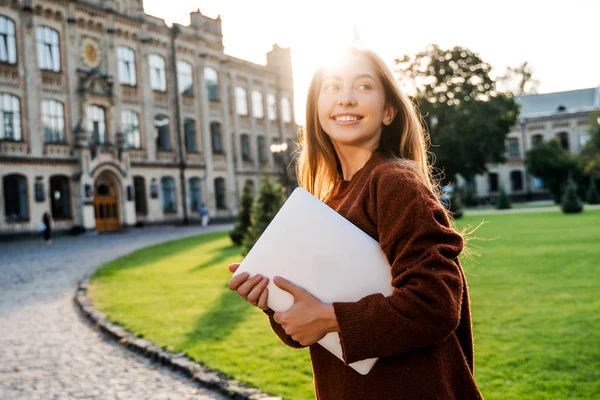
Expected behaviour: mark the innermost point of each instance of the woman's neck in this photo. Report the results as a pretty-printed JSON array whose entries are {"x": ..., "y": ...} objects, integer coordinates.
[{"x": 352, "y": 159}]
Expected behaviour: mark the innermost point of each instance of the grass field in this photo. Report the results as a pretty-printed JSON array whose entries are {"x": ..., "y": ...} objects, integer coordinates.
[{"x": 534, "y": 295}]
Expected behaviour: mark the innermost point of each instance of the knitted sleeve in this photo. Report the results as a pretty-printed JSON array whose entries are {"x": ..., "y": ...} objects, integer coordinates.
[
  {"x": 422, "y": 249},
  {"x": 279, "y": 331}
]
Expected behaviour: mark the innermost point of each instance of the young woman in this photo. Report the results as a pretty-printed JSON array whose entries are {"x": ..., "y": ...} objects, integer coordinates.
[{"x": 364, "y": 153}]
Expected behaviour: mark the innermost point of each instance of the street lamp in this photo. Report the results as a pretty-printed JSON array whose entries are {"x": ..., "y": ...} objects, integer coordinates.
[{"x": 278, "y": 150}]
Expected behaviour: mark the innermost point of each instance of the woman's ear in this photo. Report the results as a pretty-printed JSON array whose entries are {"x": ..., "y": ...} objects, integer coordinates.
[{"x": 389, "y": 113}]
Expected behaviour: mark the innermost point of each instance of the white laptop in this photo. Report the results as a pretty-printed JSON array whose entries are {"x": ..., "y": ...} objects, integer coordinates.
[{"x": 314, "y": 247}]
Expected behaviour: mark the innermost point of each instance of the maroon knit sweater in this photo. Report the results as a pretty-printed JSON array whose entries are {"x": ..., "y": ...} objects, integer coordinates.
[{"x": 422, "y": 332}]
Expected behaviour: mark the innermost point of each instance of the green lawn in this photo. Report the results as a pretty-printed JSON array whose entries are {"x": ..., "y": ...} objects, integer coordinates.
[{"x": 534, "y": 295}]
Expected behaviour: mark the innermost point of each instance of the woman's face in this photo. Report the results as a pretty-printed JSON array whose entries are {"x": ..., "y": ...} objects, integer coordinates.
[{"x": 351, "y": 105}]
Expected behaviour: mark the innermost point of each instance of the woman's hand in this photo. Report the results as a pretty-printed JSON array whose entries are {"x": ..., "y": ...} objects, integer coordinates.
[
  {"x": 309, "y": 319},
  {"x": 253, "y": 290}
]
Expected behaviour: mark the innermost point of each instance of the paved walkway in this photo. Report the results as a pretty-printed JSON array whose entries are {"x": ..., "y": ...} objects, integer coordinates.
[{"x": 48, "y": 350}]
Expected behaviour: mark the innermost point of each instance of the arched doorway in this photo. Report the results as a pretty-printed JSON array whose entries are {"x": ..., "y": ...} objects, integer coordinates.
[{"x": 106, "y": 203}]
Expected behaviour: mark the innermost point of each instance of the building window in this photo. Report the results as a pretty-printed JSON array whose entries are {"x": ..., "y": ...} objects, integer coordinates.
[
  {"x": 126, "y": 65},
  {"x": 48, "y": 49},
  {"x": 189, "y": 128},
  {"x": 215, "y": 135},
  {"x": 516, "y": 181},
  {"x": 8, "y": 44},
  {"x": 536, "y": 140},
  {"x": 220, "y": 194},
  {"x": 158, "y": 80},
  {"x": 161, "y": 125},
  {"x": 131, "y": 129},
  {"x": 139, "y": 188},
  {"x": 10, "y": 115},
  {"x": 513, "y": 147},
  {"x": 262, "y": 149},
  {"x": 96, "y": 124},
  {"x": 272, "y": 106},
  {"x": 15, "y": 198},
  {"x": 212, "y": 83},
  {"x": 563, "y": 139},
  {"x": 195, "y": 195},
  {"x": 241, "y": 101},
  {"x": 257, "y": 104},
  {"x": 184, "y": 78},
  {"x": 245, "y": 146},
  {"x": 60, "y": 197},
  {"x": 286, "y": 111},
  {"x": 493, "y": 181},
  {"x": 167, "y": 186},
  {"x": 53, "y": 118}
]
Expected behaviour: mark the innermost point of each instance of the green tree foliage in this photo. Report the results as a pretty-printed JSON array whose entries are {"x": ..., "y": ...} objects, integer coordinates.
[
  {"x": 243, "y": 217},
  {"x": 267, "y": 204},
  {"x": 467, "y": 119},
  {"x": 570, "y": 202},
  {"x": 549, "y": 161},
  {"x": 503, "y": 200},
  {"x": 592, "y": 196},
  {"x": 591, "y": 152}
]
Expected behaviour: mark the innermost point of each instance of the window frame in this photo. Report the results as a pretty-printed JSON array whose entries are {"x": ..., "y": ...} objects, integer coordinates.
[
  {"x": 21, "y": 201},
  {"x": 127, "y": 65},
  {"x": 212, "y": 83},
  {"x": 127, "y": 117},
  {"x": 286, "y": 110},
  {"x": 190, "y": 139},
  {"x": 258, "y": 110},
  {"x": 272, "y": 106},
  {"x": 141, "y": 203},
  {"x": 188, "y": 75},
  {"x": 215, "y": 132},
  {"x": 48, "y": 48},
  {"x": 161, "y": 131},
  {"x": 195, "y": 190},
  {"x": 50, "y": 121},
  {"x": 241, "y": 101},
  {"x": 8, "y": 40},
  {"x": 156, "y": 63},
  {"x": 220, "y": 193},
  {"x": 92, "y": 115},
  {"x": 10, "y": 105},
  {"x": 64, "y": 204},
  {"x": 171, "y": 187}
]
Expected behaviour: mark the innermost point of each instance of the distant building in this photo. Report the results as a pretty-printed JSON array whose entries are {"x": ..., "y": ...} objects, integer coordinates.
[
  {"x": 109, "y": 118},
  {"x": 562, "y": 115}
]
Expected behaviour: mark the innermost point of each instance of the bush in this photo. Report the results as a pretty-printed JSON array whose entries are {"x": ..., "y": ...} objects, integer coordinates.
[
  {"x": 243, "y": 218},
  {"x": 456, "y": 207},
  {"x": 571, "y": 203},
  {"x": 503, "y": 200},
  {"x": 592, "y": 196},
  {"x": 267, "y": 204}
]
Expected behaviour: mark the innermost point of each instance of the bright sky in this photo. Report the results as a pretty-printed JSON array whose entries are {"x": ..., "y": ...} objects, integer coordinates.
[{"x": 559, "y": 39}]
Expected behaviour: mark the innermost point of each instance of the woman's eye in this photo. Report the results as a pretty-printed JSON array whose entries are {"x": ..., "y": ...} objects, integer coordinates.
[
  {"x": 364, "y": 86},
  {"x": 330, "y": 86}
]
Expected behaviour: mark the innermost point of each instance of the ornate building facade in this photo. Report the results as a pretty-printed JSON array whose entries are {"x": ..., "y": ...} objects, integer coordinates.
[
  {"x": 110, "y": 118},
  {"x": 563, "y": 116}
]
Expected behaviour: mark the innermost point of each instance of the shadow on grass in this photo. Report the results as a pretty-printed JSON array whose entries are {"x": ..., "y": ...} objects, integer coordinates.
[
  {"x": 155, "y": 253},
  {"x": 220, "y": 321},
  {"x": 220, "y": 255}
]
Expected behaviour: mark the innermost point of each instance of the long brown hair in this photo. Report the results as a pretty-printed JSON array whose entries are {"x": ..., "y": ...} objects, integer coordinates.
[{"x": 404, "y": 140}]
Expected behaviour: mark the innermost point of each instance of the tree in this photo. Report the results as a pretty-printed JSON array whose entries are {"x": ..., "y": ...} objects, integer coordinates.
[
  {"x": 519, "y": 80},
  {"x": 243, "y": 217},
  {"x": 570, "y": 202},
  {"x": 503, "y": 200},
  {"x": 467, "y": 119},
  {"x": 549, "y": 161},
  {"x": 592, "y": 196},
  {"x": 267, "y": 204},
  {"x": 590, "y": 155}
]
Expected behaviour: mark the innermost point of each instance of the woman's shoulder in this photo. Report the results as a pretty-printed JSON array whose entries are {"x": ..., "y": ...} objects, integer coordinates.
[{"x": 390, "y": 171}]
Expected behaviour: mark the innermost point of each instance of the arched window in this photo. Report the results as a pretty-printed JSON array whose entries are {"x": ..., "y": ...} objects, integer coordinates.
[
  {"x": 493, "y": 181},
  {"x": 158, "y": 80},
  {"x": 215, "y": 135},
  {"x": 131, "y": 129},
  {"x": 195, "y": 194},
  {"x": 161, "y": 125},
  {"x": 513, "y": 147},
  {"x": 10, "y": 117},
  {"x": 167, "y": 185},
  {"x": 126, "y": 65},
  {"x": 185, "y": 78},
  {"x": 220, "y": 193},
  {"x": 257, "y": 104},
  {"x": 15, "y": 198},
  {"x": 53, "y": 118},
  {"x": 516, "y": 181},
  {"x": 139, "y": 187},
  {"x": 286, "y": 111},
  {"x": 272, "y": 106},
  {"x": 48, "y": 49},
  {"x": 245, "y": 146},
  {"x": 241, "y": 101},
  {"x": 96, "y": 125},
  {"x": 8, "y": 44},
  {"x": 189, "y": 129},
  {"x": 211, "y": 77},
  {"x": 563, "y": 139},
  {"x": 60, "y": 197}
]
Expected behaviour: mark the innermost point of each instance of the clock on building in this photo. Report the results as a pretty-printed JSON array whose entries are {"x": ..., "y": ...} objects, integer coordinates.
[{"x": 90, "y": 53}]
